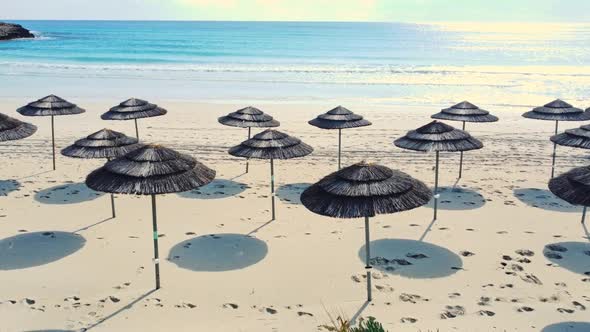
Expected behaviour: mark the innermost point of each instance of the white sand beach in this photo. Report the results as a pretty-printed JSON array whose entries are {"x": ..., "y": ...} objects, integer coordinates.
[{"x": 504, "y": 255}]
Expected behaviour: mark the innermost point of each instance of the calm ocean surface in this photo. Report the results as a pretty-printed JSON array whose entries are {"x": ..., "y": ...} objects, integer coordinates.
[{"x": 381, "y": 63}]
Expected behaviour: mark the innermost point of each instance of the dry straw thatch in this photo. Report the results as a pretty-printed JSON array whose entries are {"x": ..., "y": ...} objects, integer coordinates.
[
  {"x": 573, "y": 187},
  {"x": 104, "y": 143},
  {"x": 133, "y": 108},
  {"x": 249, "y": 117},
  {"x": 339, "y": 118},
  {"x": 365, "y": 190},
  {"x": 13, "y": 129},
  {"x": 557, "y": 110},
  {"x": 466, "y": 112},
  {"x": 150, "y": 170},
  {"x": 271, "y": 144},
  {"x": 577, "y": 138},
  {"x": 438, "y": 136},
  {"x": 50, "y": 106}
]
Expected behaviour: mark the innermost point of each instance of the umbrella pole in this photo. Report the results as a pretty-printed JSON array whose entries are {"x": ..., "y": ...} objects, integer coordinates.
[
  {"x": 136, "y": 130},
  {"x": 554, "y": 151},
  {"x": 461, "y": 158},
  {"x": 156, "y": 256},
  {"x": 436, "y": 186},
  {"x": 368, "y": 266},
  {"x": 53, "y": 141},
  {"x": 112, "y": 200},
  {"x": 247, "y": 160},
  {"x": 584, "y": 215},
  {"x": 272, "y": 187},
  {"x": 339, "y": 146}
]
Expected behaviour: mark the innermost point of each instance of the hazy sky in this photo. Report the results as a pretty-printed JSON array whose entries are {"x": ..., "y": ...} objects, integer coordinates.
[{"x": 302, "y": 10}]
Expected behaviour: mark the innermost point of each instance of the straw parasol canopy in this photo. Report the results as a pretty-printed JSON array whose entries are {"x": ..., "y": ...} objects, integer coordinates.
[
  {"x": 464, "y": 112},
  {"x": 133, "y": 109},
  {"x": 577, "y": 138},
  {"x": 271, "y": 144},
  {"x": 339, "y": 118},
  {"x": 573, "y": 187},
  {"x": 365, "y": 190},
  {"x": 51, "y": 105},
  {"x": 151, "y": 170},
  {"x": 12, "y": 129},
  {"x": 104, "y": 143},
  {"x": 557, "y": 110},
  {"x": 249, "y": 117},
  {"x": 436, "y": 137}
]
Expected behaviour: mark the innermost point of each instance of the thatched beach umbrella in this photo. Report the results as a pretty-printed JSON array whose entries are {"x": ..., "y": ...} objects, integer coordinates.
[
  {"x": 151, "y": 170},
  {"x": 12, "y": 129},
  {"x": 133, "y": 109},
  {"x": 573, "y": 187},
  {"x": 50, "y": 106},
  {"x": 271, "y": 144},
  {"x": 339, "y": 118},
  {"x": 437, "y": 136},
  {"x": 557, "y": 110},
  {"x": 104, "y": 143},
  {"x": 362, "y": 191},
  {"x": 249, "y": 117},
  {"x": 464, "y": 112}
]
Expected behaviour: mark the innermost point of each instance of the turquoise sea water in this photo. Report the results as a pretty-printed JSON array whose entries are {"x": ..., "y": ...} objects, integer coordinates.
[{"x": 388, "y": 63}]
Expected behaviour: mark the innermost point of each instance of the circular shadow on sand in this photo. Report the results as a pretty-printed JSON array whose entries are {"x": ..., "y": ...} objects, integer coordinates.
[
  {"x": 544, "y": 199},
  {"x": 70, "y": 193},
  {"x": 412, "y": 259},
  {"x": 291, "y": 193},
  {"x": 457, "y": 198},
  {"x": 218, "y": 252},
  {"x": 8, "y": 186},
  {"x": 39, "y": 248},
  {"x": 567, "y": 327},
  {"x": 573, "y": 256},
  {"x": 216, "y": 189}
]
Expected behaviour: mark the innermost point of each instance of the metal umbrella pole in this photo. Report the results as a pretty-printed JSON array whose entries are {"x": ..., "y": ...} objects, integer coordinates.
[
  {"x": 53, "y": 141},
  {"x": 436, "y": 186},
  {"x": 461, "y": 158},
  {"x": 339, "y": 146},
  {"x": 248, "y": 160},
  {"x": 112, "y": 200},
  {"x": 584, "y": 215},
  {"x": 554, "y": 151},
  {"x": 136, "y": 130},
  {"x": 368, "y": 266},
  {"x": 156, "y": 255},
  {"x": 272, "y": 187}
]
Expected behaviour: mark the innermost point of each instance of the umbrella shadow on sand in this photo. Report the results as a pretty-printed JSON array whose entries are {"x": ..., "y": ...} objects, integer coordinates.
[
  {"x": 572, "y": 256},
  {"x": 412, "y": 259},
  {"x": 8, "y": 186},
  {"x": 544, "y": 199},
  {"x": 218, "y": 252},
  {"x": 458, "y": 198},
  {"x": 291, "y": 193},
  {"x": 216, "y": 189},
  {"x": 567, "y": 327},
  {"x": 39, "y": 248},
  {"x": 69, "y": 193}
]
